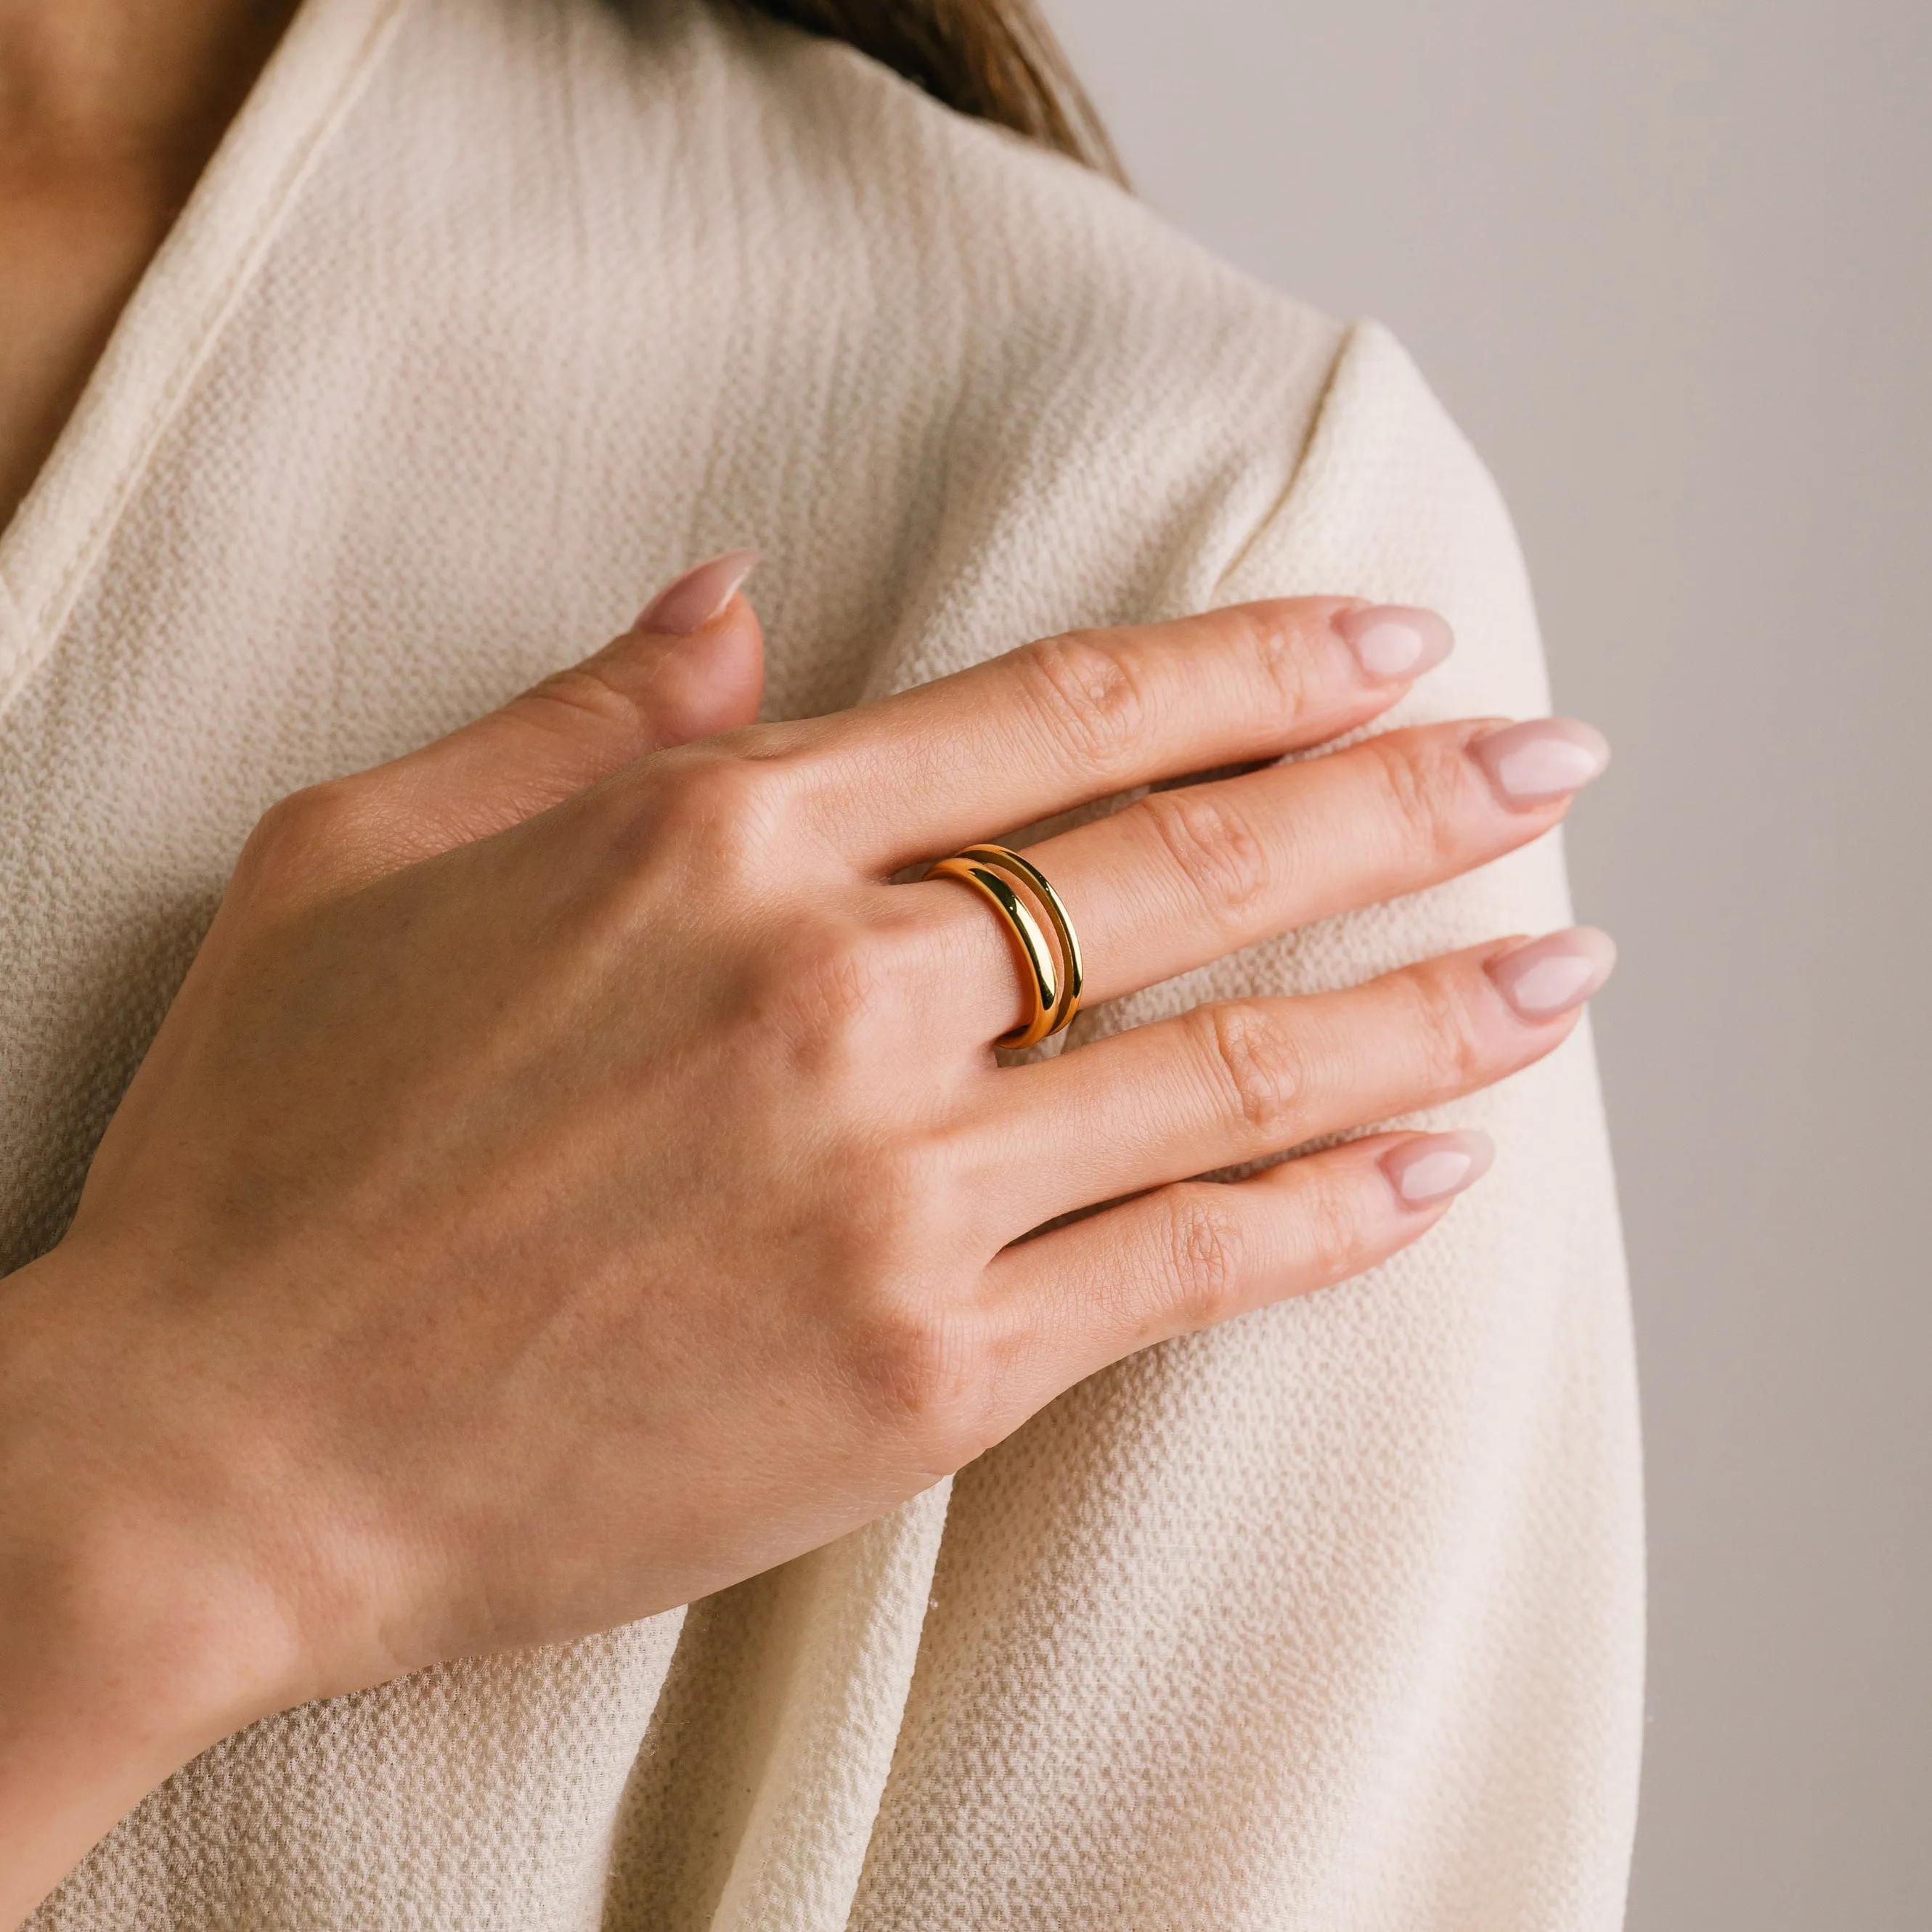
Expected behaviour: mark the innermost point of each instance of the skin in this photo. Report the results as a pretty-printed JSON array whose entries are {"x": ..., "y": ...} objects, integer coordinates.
[
  {"x": 573, "y": 1177},
  {"x": 109, "y": 111}
]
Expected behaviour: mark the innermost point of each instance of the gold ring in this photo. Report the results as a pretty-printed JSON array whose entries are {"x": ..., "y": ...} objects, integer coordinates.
[{"x": 1054, "y": 989}]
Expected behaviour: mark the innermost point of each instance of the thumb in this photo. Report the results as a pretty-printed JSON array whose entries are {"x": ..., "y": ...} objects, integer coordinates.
[{"x": 692, "y": 665}]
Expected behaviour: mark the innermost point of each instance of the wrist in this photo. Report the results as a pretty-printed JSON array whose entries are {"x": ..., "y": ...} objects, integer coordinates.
[{"x": 129, "y": 1640}]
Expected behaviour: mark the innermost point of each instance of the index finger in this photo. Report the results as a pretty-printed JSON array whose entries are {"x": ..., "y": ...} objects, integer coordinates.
[{"x": 1068, "y": 719}]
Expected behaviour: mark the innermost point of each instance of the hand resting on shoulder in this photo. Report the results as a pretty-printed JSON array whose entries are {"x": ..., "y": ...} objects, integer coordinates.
[{"x": 575, "y": 1176}]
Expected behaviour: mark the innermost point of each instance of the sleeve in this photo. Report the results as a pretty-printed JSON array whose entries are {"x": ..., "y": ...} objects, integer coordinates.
[{"x": 1331, "y": 1617}]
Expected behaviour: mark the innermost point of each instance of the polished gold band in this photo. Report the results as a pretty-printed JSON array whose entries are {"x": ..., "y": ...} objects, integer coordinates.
[{"x": 1054, "y": 987}]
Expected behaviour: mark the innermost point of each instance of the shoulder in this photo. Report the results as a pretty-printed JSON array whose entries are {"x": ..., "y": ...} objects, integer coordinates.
[
  {"x": 935, "y": 355},
  {"x": 1042, "y": 323},
  {"x": 1009, "y": 260},
  {"x": 1049, "y": 295}
]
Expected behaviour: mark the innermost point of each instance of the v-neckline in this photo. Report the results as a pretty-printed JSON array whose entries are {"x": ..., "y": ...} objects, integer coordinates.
[{"x": 171, "y": 320}]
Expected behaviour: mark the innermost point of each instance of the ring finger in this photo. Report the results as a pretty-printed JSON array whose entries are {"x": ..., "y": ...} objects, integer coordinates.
[{"x": 1238, "y": 1080}]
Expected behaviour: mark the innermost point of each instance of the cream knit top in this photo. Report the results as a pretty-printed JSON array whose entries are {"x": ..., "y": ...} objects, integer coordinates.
[{"x": 489, "y": 316}]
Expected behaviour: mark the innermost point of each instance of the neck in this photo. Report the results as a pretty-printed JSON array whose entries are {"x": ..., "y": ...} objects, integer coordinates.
[
  {"x": 144, "y": 84},
  {"x": 108, "y": 112}
]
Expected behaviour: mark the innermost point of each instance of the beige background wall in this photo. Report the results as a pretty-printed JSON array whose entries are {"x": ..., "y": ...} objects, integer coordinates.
[{"x": 1671, "y": 266}]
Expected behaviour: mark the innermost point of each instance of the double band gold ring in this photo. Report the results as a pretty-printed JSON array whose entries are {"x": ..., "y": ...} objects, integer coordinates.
[{"x": 1006, "y": 880}]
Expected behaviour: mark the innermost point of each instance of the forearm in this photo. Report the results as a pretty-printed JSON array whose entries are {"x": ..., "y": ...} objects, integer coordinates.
[{"x": 79, "y": 1748}]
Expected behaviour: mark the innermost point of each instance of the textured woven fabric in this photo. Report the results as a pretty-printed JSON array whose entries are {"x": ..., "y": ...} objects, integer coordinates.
[{"x": 489, "y": 316}]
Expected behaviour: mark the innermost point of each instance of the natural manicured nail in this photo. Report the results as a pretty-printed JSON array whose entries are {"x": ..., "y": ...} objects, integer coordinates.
[
  {"x": 690, "y": 602},
  {"x": 1541, "y": 759},
  {"x": 1392, "y": 641},
  {"x": 1432, "y": 1167},
  {"x": 1543, "y": 977}
]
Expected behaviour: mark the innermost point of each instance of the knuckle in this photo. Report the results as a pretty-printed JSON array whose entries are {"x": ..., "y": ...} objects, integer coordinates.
[
  {"x": 1251, "y": 1059},
  {"x": 1422, "y": 780},
  {"x": 1214, "y": 850},
  {"x": 1200, "y": 1244},
  {"x": 719, "y": 814},
  {"x": 719, "y": 789},
  {"x": 917, "y": 1352},
  {"x": 299, "y": 833},
  {"x": 1278, "y": 651},
  {"x": 1334, "y": 1232},
  {"x": 923, "y": 1376},
  {"x": 1448, "y": 1055},
  {"x": 785, "y": 750},
  {"x": 822, "y": 985},
  {"x": 586, "y": 691},
  {"x": 1082, "y": 687}
]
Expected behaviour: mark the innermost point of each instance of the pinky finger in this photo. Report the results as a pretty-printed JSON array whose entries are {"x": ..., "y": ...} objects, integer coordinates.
[{"x": 1187, "y": 1256}]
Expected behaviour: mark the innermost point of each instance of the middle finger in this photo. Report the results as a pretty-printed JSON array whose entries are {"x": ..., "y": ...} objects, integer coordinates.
[{"x": 1181, "y": 877}]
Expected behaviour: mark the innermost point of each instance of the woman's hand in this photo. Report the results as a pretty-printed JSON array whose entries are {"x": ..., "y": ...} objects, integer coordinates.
[{"x": 571, "y": 1181}]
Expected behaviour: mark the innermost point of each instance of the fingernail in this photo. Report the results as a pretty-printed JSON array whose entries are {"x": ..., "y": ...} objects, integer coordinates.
[
  {"x": 1541, "y": 759},
  {"x": 1543, "y": 977},
  {"x": 1394, "y": 641},
  {"x": 690, "y": 602},
  {"x": 1432, "y": 1167}
]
